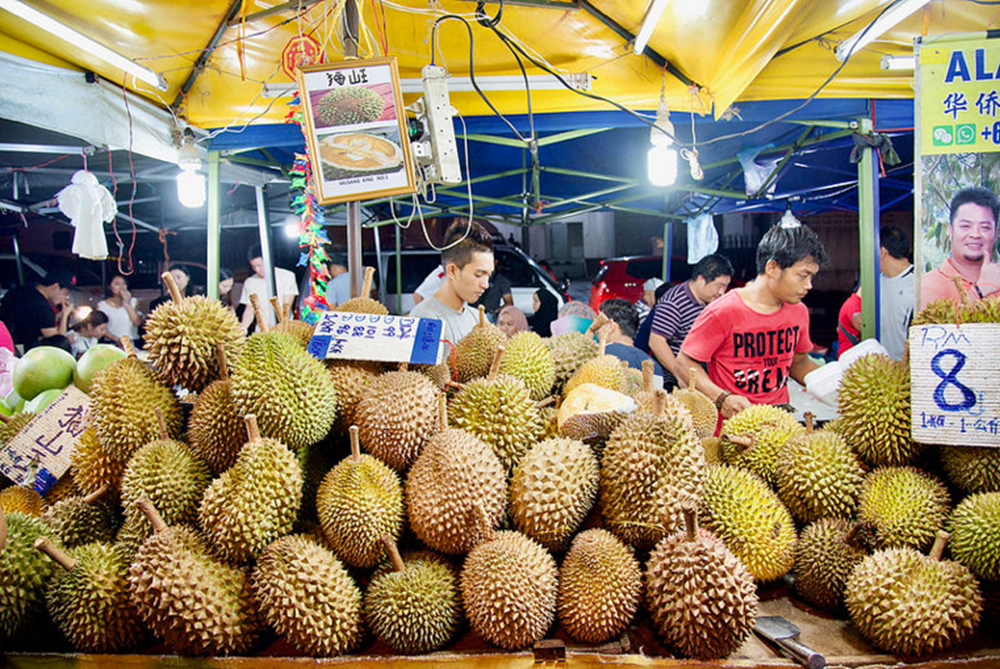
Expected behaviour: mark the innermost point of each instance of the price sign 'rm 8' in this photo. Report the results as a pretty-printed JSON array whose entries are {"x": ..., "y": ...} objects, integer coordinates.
[{"x": 955, "y": 378}]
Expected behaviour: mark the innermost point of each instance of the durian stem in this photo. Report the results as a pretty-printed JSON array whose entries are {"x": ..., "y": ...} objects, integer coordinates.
[
  {"x": 809, "y": 416},
  {"x": 599, "y": 322},
  {"x": 253, "y": 430},
  {"x": 5, "y": 418},
  {"x": 647, "y": 375},
  {"x": 286, "y": 311},
  {"x": 3, "y": 530},
  {"x": 394, "y": 556},
  {"x": 148, "y": 510},
  {"x": 738, "y": 440},
  {"x": 220, "y": 353},
  {"x": 175, "y": 292},
  {"x": 602, "y": 341},
  {"x": 851, "y": 538},
  {"x": 45, "y": 545},
  {"x": 495, "y": 367},
  {"x": 161, "y": 423},
  {"x": 906, "y": 354},
  {"x": 403, "y": 366},
  {"x": 127, "y": 347},
  {"x": 482, "y": 316},
  {"x": 97, "y": 494},
  {"x": 659, "y": 401},
  {"x": 255, "y": 303},
  {"x": 366, "y": 287},
  {"x": 960, "y": 285},
  {"x": 355, "y": 435},
  {"x": 481, "y": 524},
  {"x": 279, "y": 313},
  {"x": 443, "y": 410},
  {"x": 690, "y": 511},
  {"x": 693, "y": 378},
  {"x": 940, "y": 541},
  {"x": 454, "y": 385},
  {"x": 541, "y": 404}
]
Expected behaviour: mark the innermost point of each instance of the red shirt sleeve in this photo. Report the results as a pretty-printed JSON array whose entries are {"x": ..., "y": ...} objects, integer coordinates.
[
  {"x": 805, "y": 343},
  {"x": 706, "y": 336}
]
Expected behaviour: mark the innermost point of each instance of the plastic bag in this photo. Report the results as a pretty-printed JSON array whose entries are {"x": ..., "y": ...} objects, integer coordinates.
[{"x": 703, "y": 238}]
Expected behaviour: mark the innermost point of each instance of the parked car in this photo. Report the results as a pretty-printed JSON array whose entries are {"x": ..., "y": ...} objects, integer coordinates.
[
  {"x": 623, "y": 277},
  {"x": 525, "y": 276}
]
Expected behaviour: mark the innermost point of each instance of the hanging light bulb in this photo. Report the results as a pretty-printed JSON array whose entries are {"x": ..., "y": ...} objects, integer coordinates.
[
  {"x": 662, "y": 157},
  {"x": 190, "y": 184},
  {"x": 788, "y": 219}
]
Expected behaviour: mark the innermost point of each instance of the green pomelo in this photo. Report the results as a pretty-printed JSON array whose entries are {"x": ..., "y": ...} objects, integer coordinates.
[
  {"x": 42, "y": 400},
  {"x": 94, "y": 360},
  {"x": 43, "y": 368}
]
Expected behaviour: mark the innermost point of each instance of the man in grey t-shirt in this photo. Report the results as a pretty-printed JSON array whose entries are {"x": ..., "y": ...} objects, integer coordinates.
[{"x": 467, "y": 259}]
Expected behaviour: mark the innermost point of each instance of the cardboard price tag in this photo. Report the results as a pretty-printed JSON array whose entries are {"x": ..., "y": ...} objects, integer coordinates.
[
  {"x": 349, "y": 336},
  {"x": 40, "y": 453},
  {"x": 955, "y": 380}
]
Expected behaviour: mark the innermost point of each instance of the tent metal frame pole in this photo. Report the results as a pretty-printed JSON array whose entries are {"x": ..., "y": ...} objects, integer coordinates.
[
  {"x": 265, "y": 244},
  {"x": 214, "y": 212},
  {"x": 668, "y": 248},
  {"x": 868, "y": 236},
  {"x": 350, "y": 31}
]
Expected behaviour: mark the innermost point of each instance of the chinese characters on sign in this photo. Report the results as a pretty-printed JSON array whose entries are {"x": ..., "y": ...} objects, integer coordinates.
[
  {"x": 350, "y": 336},
  {"x": 40, "y": 454},
  {"x": 953, "y": 370},
  {"x": 960, "y": 96}
]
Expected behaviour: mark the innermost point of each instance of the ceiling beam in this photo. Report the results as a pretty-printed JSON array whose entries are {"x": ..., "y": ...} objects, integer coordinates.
[{"x": 206, "y": 54}]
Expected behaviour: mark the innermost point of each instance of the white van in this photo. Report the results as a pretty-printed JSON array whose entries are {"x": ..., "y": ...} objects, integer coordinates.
[{"x": 525, "y": 275}]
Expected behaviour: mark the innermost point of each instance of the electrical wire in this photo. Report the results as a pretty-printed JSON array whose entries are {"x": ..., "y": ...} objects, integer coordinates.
[
  {"x": 468, "y": 185},
  {"x": 131, "y": 201}
]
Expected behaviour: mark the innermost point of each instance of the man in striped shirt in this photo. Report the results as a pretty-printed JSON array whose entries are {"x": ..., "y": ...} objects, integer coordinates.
[{"x": 676, "y": 311}]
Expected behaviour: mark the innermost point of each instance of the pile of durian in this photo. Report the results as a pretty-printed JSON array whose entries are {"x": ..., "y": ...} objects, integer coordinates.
[{"x": 328, "y": 503}]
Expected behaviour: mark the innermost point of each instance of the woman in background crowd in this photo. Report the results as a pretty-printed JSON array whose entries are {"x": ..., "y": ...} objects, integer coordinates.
[
  {"x": 120, "y": 308},
  {"x": 546, "y": 311},
  {"x": 511, "y": 320},
  {"x": 226, "y": 281},
  {"x": 181, "y": 278},
  {"x": 88, "y": 332}
]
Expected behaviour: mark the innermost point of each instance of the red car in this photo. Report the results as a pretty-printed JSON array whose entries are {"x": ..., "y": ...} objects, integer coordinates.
[{"x": 623, "y": 277}]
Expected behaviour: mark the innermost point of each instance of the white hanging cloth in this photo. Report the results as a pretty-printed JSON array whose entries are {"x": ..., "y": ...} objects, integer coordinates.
[
  {"x": 89, "y": 206},
  {"x": 703, "y": 238}
]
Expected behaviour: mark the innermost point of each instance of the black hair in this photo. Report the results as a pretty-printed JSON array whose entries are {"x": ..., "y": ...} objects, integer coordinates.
[
  {"x": 460, "y": 246},
  {"x": 788, "y": 245},
  {"x": 57, "y": 341},
  {"x": 661, "y": 291},
  {"x": 622, "y": 312},
  {"x": 180, "y": 268},
  {"x": 974, "y": 195},
  {"x": 894, "y": 241},
  {"x": 711, "y": 267},
  {"x": 254, "y": 252},
  {"x": 225, "y": 273},
  {"x": 94, "y": 319}
]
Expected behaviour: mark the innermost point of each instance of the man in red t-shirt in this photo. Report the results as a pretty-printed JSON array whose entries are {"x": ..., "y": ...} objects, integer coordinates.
[
  {"x": 755, "y": 337},
  {"x": 849, "y": 324}
]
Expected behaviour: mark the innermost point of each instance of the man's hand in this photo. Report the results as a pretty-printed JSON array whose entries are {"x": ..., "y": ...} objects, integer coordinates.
[{"x": 734, "y": 404}]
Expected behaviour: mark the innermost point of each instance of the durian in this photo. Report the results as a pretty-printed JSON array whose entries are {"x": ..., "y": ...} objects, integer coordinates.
[
  {"x": 88, "y": 598},
  {"x": 600, "y": 585},
  {"x": 902, "y": 506},
  {"x": 413, "y": 604},
  {"x": 602, "y": 370},
  {"x": 81, "y": 520},
  {"x": 63, "y": 489},
  {"x": 358, "y": 501},
  {"x": 92, "y": 468},
  {"x": 474, "y": 353},
  {"x": 591, "y": 413},
  {"x": 23, "y": 499},
  {"x": 183, "y": 334},
  {"x": 753, "y": 438},
  {"x": 552, "y": 491},
  {"x": 499, "y": 410},
  {"x": 24, "y": 572},
  {"x": 703, "y": 411},
  {"x": 702, "y": 598},
  {"x": 975, "y": 535},
  {"x": 741, "y": 510},
  {"x": 216, "y": 432},
  {"x": 254, "y": 502},
  {"x": 455, "y": 478},
  {"x": 651, "y": 463},
  {"x": 825, "y": 555},
  {"x": 195, "y": 603},
  {"x": 348, "y": 105},
  {"x": 397, "y": 416},
  {"x": 874, "y": 403},
  {"x": 363, "y": 304},
  {"x": 912, "y": 604},
  {"x": 123, "y": 398},
  {"x": 527, "y": 358},
  {"x": 300, "y": 331},
  {"x": 569, "y": 351},
  {"x": 509, "y": 589},
  {"x": 286, "y": 388},
  {"x": 11, "y": 426},
  {"x": 351, "y": 378},
  {"x": 818, "y": 476},
  {"x": 972, "y": 469},
  {"x": 305, "y": 593}
]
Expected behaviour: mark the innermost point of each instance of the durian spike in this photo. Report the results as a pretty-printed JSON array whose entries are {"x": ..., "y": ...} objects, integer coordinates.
[
  {"x": 541, "y": 404},
  {"x": 394, "y": 556},
  {"x": 443, "y": 409},
  {"x": 96, "y": 495},
  {"x": 354, "y": 433},
  {"x": 809, "y": 416},
  {"x": 690, "y": 512},
  {"x": 3, "y": 530},
  {"x": 693, "y": 378},
  {"x": 255, "y": 303},
  {"x": 602, "y": 341},
  {"x": 647, "y": 375},
  {"x": 127, "y": 347},
  {"x": 175, "y": 292},
  {"x": 279, "y": 313},
  {"x": 940, "y": 540},
  {"x": 61, "y": 558},
  {"x": 738, "y": 440},
  {"x": 659, "y": 401},
  {"x": 152, "y": 515},
  {"x": 366, "y": 287},
  {"x": 161, "y": 423},
  {"x": 253, "y": 430},
  {"x": 495, "y": 367},
  {"x": 220, "y": 353},
  {"x": 482, "y": 316},
  {"x": 599, "y": 322}
]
